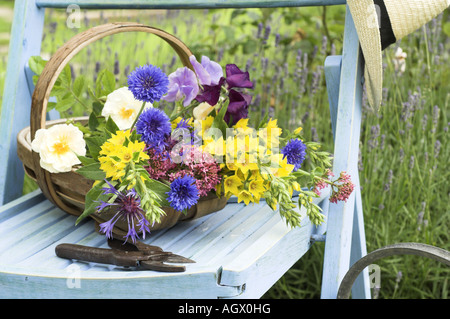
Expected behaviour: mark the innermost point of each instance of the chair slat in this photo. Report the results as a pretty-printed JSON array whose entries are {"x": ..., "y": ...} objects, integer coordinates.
[{"x": 180, "y": 4}]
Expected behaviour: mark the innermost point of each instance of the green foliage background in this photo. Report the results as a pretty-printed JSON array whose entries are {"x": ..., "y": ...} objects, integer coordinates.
[{"x": 404, "y": 147}]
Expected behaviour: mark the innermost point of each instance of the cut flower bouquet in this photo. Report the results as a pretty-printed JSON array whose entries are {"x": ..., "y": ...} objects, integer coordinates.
[{"x": 143, "y": 160}]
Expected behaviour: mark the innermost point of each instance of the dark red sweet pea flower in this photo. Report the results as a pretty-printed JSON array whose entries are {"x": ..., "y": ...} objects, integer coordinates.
[
  {"x": 239, "y": 102},
  {"x": 211, "y": 93},
  {"x": 236, "y": 78},
  {"x": 238, "y": 107}
]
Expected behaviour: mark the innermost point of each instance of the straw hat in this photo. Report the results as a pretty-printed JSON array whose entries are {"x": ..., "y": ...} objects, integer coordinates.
[{"x": 380, "y": 23}]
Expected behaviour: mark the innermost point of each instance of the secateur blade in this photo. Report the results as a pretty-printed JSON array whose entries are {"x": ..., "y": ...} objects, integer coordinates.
[{"x": 156, "y": 256}]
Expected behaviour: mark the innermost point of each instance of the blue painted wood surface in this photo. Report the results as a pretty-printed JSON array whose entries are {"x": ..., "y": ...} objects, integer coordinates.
[
  {"x": 347, "y": 131},
  {"x": 240, "y": 252},
  {"x": 25, "y": 42},
  {"x": 183, "y": 4}
]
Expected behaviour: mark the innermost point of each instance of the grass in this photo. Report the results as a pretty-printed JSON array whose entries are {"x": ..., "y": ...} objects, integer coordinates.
[{"x": 404, "y": 147}]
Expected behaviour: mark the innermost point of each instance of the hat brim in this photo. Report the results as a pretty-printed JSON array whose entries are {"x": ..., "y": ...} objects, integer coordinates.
[{"x": 365, "y": 18}]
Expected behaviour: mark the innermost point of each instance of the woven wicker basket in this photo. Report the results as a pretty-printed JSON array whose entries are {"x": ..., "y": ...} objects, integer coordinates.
[{"x": 68, "y": 190}]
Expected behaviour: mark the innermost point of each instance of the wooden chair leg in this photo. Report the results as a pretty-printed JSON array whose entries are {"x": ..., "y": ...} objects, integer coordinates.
[
  {"x": 347, "y": 132},
  {"x": 26, "y": 36}
]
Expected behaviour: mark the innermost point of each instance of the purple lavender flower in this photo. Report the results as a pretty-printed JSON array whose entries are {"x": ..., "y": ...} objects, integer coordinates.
[
  {"x": 182, "y": 84},
  {"x": 183, "y": 193},
  {"x": 208, "y": 72},
  {"x": 128, "y": 207},
  {"x": 295, "y": 152},
  {"x": 155, "y": 128},
  {"x": 148, "y": 83}
]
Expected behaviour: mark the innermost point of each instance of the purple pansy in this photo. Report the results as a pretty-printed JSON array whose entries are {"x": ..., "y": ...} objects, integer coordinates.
[{"x": 182, "y": 84}]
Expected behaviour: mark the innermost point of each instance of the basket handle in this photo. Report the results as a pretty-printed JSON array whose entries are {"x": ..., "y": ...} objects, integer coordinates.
[{"x": 54, "y": 67}]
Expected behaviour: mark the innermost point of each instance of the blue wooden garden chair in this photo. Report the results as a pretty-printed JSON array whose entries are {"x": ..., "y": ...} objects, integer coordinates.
[{"x": 240, "y": 252}]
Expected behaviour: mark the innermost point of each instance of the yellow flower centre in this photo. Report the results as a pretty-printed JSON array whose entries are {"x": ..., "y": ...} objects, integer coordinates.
[
  {"x": 61, "y": 147},
  {"x": 127, "y": 156},
  {"x": 125, "y": 112}
]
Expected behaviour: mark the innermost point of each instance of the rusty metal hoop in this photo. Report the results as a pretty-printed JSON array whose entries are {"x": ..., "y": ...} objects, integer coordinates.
[{"x": 418, "y": 249}]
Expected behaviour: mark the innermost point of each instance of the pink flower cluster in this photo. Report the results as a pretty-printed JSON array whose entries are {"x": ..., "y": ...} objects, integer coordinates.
[
  {"x": 322, "y": 184},
  {"x": 202, "y": 166},
  {"x": 159, "y": 165},
  {"x": 343, "y": 190}
]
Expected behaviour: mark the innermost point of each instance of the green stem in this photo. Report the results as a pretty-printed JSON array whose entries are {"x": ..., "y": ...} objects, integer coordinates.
[
  {"x": 139, "y": 114},
  {"x": 180, "y": 111}
]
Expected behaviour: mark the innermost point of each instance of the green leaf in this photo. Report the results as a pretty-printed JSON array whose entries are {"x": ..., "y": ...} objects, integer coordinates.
[
  {"x": 97, "y": 107},
  {"x": 92, "y": 171},
  {"x": 65, "y": 78},
  {"x": 36, "y": 64},
  {"x": 65, "y": 104},
  {"x": 94, "y": 144},
  {"x": 219, "y": 120},
  {"x": 158, "y": 187},
  {"x": 111, "y": 126},
  {"x": 446, "y": 28},
  {"x": 91, "y": 201},
  {"x": 105, "y": 83},
  {"x": 86, "y": 160},
  {"x": 78, "y": 85},
  {"x": 93, "y": 122}
]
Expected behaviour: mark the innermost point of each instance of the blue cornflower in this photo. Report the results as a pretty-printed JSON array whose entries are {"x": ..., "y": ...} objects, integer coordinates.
[
  {"x": 128, "y": 207},
  {"x": 148, "y": 83},
  {"x": 183, "y": 193},
  {"x": 295, "y": 152},
  {"x": 154, "y": 127}
]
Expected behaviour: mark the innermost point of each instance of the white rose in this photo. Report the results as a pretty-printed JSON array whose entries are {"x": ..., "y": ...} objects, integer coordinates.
[
  {"x": 58, "y": 147},
  {"x": 122, "y": 107}
]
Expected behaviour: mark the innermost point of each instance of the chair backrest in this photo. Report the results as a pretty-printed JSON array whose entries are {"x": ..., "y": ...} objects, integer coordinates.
[{"x": 345, "y": 239}]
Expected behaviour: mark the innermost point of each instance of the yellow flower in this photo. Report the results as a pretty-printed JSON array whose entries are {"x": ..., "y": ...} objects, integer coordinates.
[
  {"x": 138, "y": 147},
  {"x": 202, "y": 126},
  {"x": 298, "y": 130},
  {"x": 245, "y": 196},
  {"x": 232, "y": 185},
  {"x": 257, "y": 188},
  {"x": 115, "y": 156},
  {"x": 214, "y": 147},
  {"x": 242, "y": 124},
  {"x": 113, "y": 169},
  {"x": 285, "y": 169},
  {"x": 246, "y": 163},
  {"x": 119, "y": 137}
]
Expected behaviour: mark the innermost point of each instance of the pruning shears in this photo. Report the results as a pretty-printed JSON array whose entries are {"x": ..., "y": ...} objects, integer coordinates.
[{"x": 138, "y": 254}]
